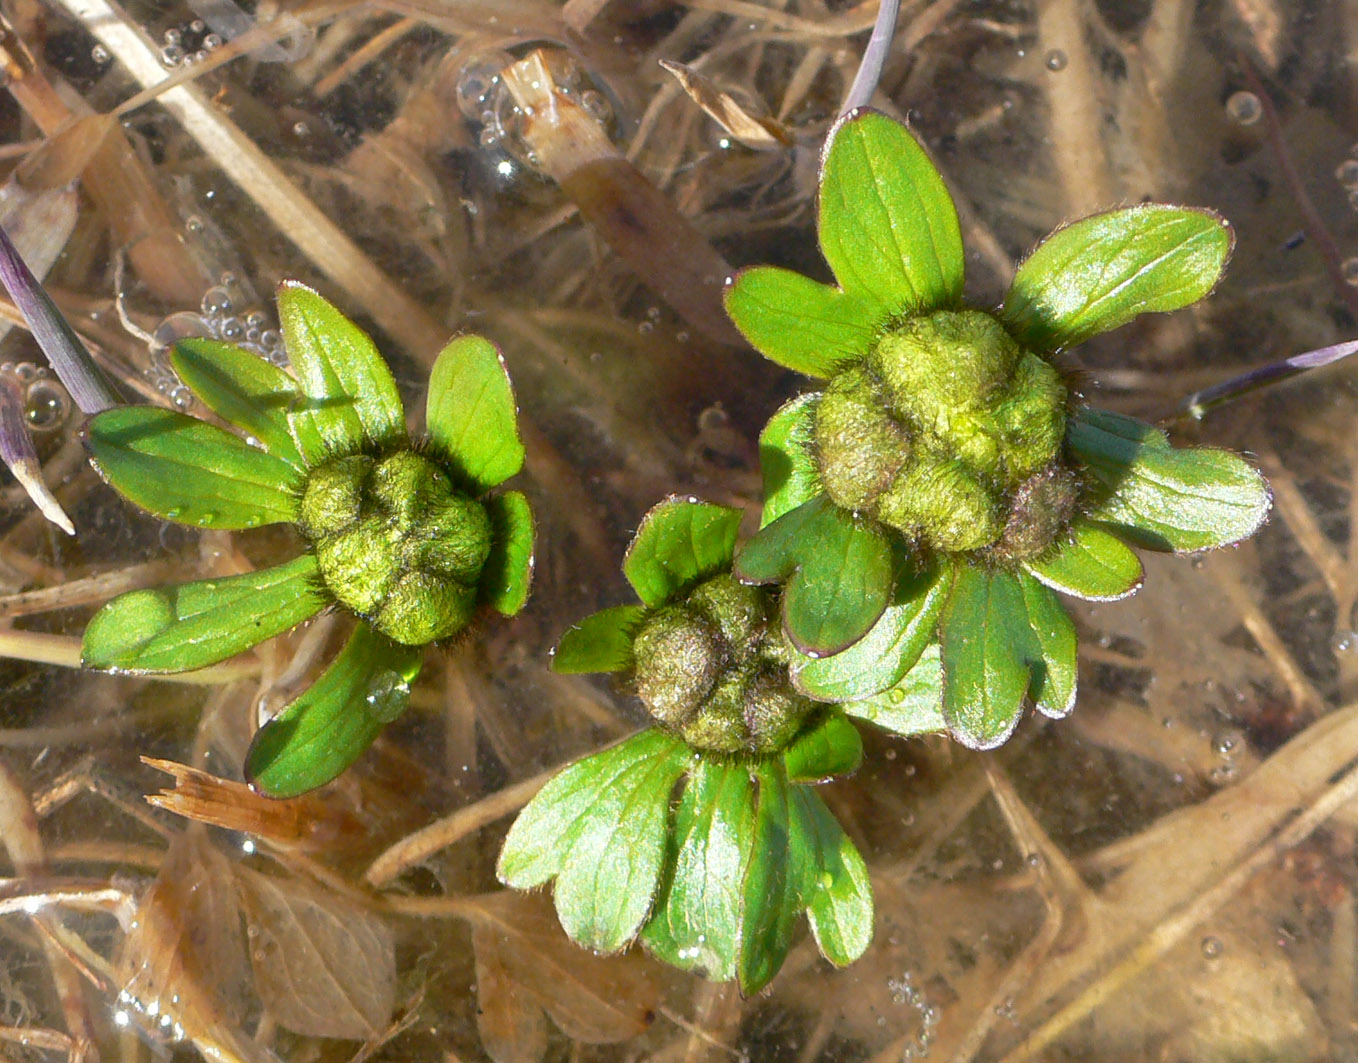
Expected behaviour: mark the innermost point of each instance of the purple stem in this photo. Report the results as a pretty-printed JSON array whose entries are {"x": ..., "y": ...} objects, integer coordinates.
[
  {"x": 874, "y": 57},
  {"x": 89, "y": 388},
  {"x": 1200, "y": 402}
]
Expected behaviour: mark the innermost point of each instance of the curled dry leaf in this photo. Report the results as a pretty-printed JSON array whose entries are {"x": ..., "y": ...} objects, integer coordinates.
[
  {"x": 323, "y": 966},
  {"x": 525, "y": 965},
  {"x": 754, "y": 131}
]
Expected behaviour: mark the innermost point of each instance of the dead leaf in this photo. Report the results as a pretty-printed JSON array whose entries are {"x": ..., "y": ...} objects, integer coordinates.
[
  {"x": 759, "y": 132},
  {"x": 593, "y": 999},
  {"x": 324, "y": 967}
]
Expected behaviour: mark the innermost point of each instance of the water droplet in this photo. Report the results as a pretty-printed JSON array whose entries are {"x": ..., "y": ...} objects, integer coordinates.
[
  {"x": 1056, "y": 60},
  {"x": 387, "y": 697},
  {"x": 1347, "y": 173},
  {"x": 1243, "y": 108},
  {"x": 46, "y": 405},
  {"x": 1212, "y": 947}
]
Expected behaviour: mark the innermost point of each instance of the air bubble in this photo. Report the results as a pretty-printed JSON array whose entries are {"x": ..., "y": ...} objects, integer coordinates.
[
  {"x": 1349, "y": 269},
  {"x": 1212, "y": 947},
  {"x": 46, "y": 405},
  {"x": 1243, "y": 108},
  {"x": 1056, "y": 60},
  {"x": 100, "y": 54},
  {"x": 181, "y": 396},
  {"x": 1347, "y": 173},
  {"x": 216, "y": 301},
  {"x": 1344, "y": 642},
  {"x": 479, "y": 82},
  {"x": 172, "y": 55}
]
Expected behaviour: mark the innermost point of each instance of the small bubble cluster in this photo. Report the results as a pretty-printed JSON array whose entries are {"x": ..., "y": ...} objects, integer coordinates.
[
  {"x": 904, "y": 991},
  {"x": 222, "y": 315},
  {"x": 188, "y": 44},
  {"x": 154, "y": 1019},
  {"x": 46, "y": 403}
]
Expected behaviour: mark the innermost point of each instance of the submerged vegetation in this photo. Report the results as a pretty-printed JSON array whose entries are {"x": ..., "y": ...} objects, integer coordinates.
[{"x": 449, "y": 170}]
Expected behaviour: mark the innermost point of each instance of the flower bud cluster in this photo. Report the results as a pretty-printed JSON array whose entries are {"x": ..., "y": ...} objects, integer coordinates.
[
  {"x": 712, "y": 668},
  {"x": 951, "y": 433}
]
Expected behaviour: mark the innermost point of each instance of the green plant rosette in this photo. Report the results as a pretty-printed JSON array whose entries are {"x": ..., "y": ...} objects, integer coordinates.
[
  {"x": 410, "y": 540},
  {"x": 924, "y": 508},
  {"x": 707, "y": 856}
]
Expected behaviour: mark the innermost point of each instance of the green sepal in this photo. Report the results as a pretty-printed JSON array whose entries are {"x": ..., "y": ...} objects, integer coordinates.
[
  {"x": 987, "y": 646},
  {"x": 786, "y": 459},
  {"x": 1096, "y": 274},
  {"x": 799, "y": 323},
  {"x": 882, "y": 657},
  {"x": 193, "y": 625},
  {"x": 541, "y": 837},
  {"x": 319, "y": 734},
  {"x": 186, "y": 470},
  {"x": 349, "y": 399},
  {"x": 839, "y": 903},
  {"x": 242, "y": 389},
  {"x": 914, "y": 706},
  {"x": 1054, "y": 650},
  {"x": 837, "y": 570},
  {"x": 699, "y": 912},
  {"x": 610, "y": 870},
  {"x": 602, "y": 642},
  {"x": 782, "y": 870},
  {"x": 832, "y": 747},
  {"x": 509, "y": 568},
  {"x": 680, "y": 542},
  {"x": 1091, "y": 563},
  {"x": 888, "y": 227},
  {"x": 470, "y": 413},
  {"x": 1161, "y": 497}
]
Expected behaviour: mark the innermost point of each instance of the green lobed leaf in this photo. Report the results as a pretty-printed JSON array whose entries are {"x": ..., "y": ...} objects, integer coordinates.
[
  {"x": 1099, "y": 273},
  {"x": 838, "y": 573},
  {"x": 787, "y": 460},
  {"x": 602, "y": 642},
  {"x": 1055, "y": 648},
  {"x": 186, "y": 470},
  {"x": 680, "y": 542},
  {"x": 471, "y": 415},
  {"x": 509, "y": 568},
  {"x": 914, "y": 706},
  {"x": 349, "y": 399},
  {"x": 986, "y": 648},
  {"x": 832, "y": 747},
  {"x": 781, "y": 872},
  {"x": 882, "y": 657},
  {"x": 888, "y": 227},
  {"x": 610, "y": 871},
  {"x": 319, "y": 734},
  {"x": 700, "y": 911},
  {"x": 542, "y": 835},
  {"x": 839, "y": 903},
  {"x": 193, "y": 625},
  {"x": 242, "y": 389},
  {"x": 1091, "y": 563},
  {"x": 1165, "y": 498},
  {"x": 799, "y": 323}
]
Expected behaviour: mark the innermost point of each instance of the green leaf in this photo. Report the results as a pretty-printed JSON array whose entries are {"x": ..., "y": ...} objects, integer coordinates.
[
  {"x": 601, "y": 642},
  {"x": 700, "y": 911},
  {"x": 914, "y": 706},
  {"x": 350, "y": 402},
  {"x": 986, "y": 645},
  {"x": 680, "y": 542},
  {"x": 888, "y": 226},
  {"x": 1054, "y": 640},
  {"x": 1099, "y": 273},
  {"x": 1164, "y": 498},
  {"x": 326, "y": 729},
  {"x": 882, "y": 657},
  {"x": 787, "y": 460},
  {"x": 837, "y": 571},
  {"x": 832, "y": 747},
  {"x": 1091, "y": 563},
  {"x": 610, "y": 870},
  {"x": 799, "y": 323},
  {"x": 471, "y": 415},
  {"x": 542, "y": 835},
  {"x": 192, "y": 625},
  {"x": 509, "y": 568},
  {"x": 242, "y": 389},
  {"x": 186, "y": 470},
  {"x": 839, "y": 904},
  {"x": 781, "y": 872}
]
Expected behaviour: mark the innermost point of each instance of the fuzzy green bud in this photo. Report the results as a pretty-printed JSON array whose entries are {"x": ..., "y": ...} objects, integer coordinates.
[
  {"x": 713, "y": 668},
  {"x": 397, "y": 543},
  {"x": 938, "y": 431}
]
